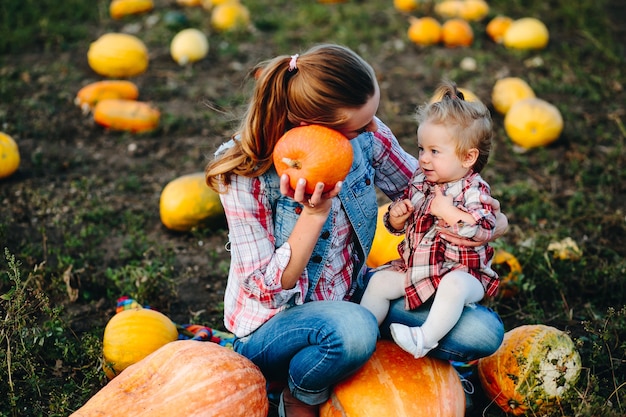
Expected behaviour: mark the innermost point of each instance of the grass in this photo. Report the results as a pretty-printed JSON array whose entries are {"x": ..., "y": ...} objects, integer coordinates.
[{"x": 79, "y": 222}]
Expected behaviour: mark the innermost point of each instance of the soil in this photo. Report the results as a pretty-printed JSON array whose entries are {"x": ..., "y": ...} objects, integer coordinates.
[{"x": 65, "y": 155}]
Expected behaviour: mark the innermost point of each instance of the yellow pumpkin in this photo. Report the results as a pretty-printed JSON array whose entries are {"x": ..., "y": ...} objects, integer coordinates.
[
  {"x": 187, "y": 202},
  {"x": 230, "y": 15},
  {"x": 526, "y": 33},
  {"x": 534, "y": 367},
  {"x": 186, "y": 378},
  {"x": 507, "y": 91},
  {"x": 393, "y": 383},
  {"x": 89, "y": 95},
  {"x": 509, "y": 269},
  {"x": 424, "y": 31},
  {"x": 385, "y": 244},
  {"x": 123, "y": 114},
  {"x": 189, "y": 45},
  {"x": 474, "y": 10},
  {"x": 405, "y": 6},
  {"x": 533, "y": 122},
  {"x": 118, "y": 55},
  {"x": 121, "y": 8},
  {"x": 449, "y": 9},
  {"x": 9, "y": 156},
  {"x": 133, "y": 334}
]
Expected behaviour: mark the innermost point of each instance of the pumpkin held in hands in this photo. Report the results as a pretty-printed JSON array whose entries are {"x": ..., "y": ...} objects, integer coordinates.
[
  {"x": 315, "y": 153},
  {"x": 186, "y": 378},
  {"x": 533, "y": 369},
  {"x": 393, "y": 382}
]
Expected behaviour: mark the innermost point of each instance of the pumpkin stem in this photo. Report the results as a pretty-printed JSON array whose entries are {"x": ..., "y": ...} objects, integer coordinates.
[{"x": 292, "y": 163}]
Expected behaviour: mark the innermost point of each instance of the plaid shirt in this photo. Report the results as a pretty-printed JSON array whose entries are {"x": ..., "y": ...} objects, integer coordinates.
[
  {"x": 426, "y": 257},
  {"x": 254, "y": 293}
]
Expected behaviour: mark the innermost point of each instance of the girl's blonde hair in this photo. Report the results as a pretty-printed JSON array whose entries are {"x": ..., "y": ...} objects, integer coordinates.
[
  {"x": 326, "y": 80},
  {"x": 470, "y": 121}
]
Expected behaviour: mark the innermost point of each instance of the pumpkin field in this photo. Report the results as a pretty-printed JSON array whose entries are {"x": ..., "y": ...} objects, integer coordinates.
[{"x": 110, "y": 110}]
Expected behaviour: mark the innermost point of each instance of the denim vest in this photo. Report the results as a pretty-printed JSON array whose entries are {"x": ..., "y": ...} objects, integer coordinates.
[{"x": 358, "y": 197}]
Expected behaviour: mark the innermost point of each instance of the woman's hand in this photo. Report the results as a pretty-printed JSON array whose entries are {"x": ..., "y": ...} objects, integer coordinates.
[
  {"x": 502, "y": 224},
  {"x": 318, "y": 202}
]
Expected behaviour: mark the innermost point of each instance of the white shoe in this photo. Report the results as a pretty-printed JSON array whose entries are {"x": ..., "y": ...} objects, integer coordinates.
[{"x": 411, "y": 339}]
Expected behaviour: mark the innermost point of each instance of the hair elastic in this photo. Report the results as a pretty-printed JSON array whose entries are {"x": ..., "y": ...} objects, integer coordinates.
[{"x": 292, "y": 63}]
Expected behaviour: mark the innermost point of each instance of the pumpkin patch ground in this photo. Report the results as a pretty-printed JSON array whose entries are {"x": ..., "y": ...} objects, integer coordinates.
[{"x": 81, "y": 213}]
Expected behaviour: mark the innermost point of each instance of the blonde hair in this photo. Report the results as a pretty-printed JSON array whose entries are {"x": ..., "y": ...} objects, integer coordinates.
[
  {"x": 470, "y": 121},
  {"x": 326, "y": 80}
]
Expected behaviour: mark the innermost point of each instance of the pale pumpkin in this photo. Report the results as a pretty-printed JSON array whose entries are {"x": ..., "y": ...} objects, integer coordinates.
[
  {"x": 118, "y": 55},
  {"x": 187, "y": 202},
  {"x": 424, "y": 31},
  {"x": 314, "y": 153},
  {"x": 122, "y": 8},
  {"x": 507, "y": 91},
  {"x": 123, "y": 114},
  {"x": 533, "y": 122},
  {"x": 133, "y": 334},
  {"x": 187, "y": 378},
  {"x": 188, "y": 46},
  {"x": 89, "y": 95},
  {"x": 457, "y": 32},
  {"x": 9, "y": 156},
  {"x": 534, "y": 368},
  {"x": 526, "y": 33},
  {"x": 229, "y": 16},
  {"x": 385, "y": 244},
  {"x": 393, "y": 383},
  {"x": 509, "y": 269}
]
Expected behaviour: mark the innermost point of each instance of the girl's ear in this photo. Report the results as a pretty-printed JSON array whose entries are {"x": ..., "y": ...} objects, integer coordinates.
[{"x": 470, "y": 158}]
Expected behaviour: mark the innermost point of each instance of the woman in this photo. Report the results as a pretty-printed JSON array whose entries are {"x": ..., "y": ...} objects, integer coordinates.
[{"x": 298, "y": 261}]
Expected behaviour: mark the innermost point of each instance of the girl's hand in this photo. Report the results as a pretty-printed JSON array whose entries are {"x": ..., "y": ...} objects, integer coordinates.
[
  {"x": 441, "y": 204},
  {"x": 318, "y": 202},
  {"x": 502, "y": 224}
]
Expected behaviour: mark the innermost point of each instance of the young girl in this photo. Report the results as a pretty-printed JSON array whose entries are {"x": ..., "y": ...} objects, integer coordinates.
[
  {"x": 454, "y": 139},
  {"x": 297, "y": 260}
]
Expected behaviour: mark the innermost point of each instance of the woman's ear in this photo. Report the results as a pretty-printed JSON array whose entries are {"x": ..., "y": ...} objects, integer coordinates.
[{"x": 470, "y": 158}]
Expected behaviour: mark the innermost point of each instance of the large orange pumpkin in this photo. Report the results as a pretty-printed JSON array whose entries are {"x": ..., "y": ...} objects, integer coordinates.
[
  {"x": 186, "y": 378},
  {"x": 385, "y": 244},
  {"x": 133, "y": 334},
  {"x": 315, "y": 153},
  {"x": 124, "y": 114},
  {"x": 394, "y": 383},
  {"x": 535, "y": 366}
]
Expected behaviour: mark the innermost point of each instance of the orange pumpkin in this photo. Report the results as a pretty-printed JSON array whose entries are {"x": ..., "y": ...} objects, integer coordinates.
[
  {"x": 315, "y": 153},
  {"x": 535, "y": 366},
  {"x": 457, "y": 32},
  {"x": 9, "y": 155},
  {"x": 497, "y": 27},
  {"x": 183, "y": 378},
  {"x": 509, "y": 270},
  {"x": 88, "y": 96},
  {"x": 121, "y": 8},
  {"x": 394, "y": 383},
  {"x": 133, "y": 334},
  {"x": 385, "y": 244},
  {"x": 124, "y": 114},
  {"x": 424, "y": 31}
]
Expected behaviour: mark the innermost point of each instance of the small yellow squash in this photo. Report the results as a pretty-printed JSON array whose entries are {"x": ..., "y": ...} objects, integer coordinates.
[
  {"x": 385, "y": 244},
  {"x": 189, "y": 45},
  {"x": 187, "y": 202},
  {"x": 230, "y": 15},
  {"x": 133, "y": 334},
  {"x": 509, "y": 90},
  {"x": 130, "y": 115},
  {"x": 533, "y": 122},
  {"x": 526, "y": 33},
  {"x": 9, "y": 156},
  {"x": 88, "y": 96},
  {"x": 406, "y": 6},
  {"x": 121, "y": 8},
  {"x": 118, "y": 55}
]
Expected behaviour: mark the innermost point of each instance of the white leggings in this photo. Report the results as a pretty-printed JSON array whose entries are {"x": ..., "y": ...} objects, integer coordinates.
[{"x": 456, "y": 289}]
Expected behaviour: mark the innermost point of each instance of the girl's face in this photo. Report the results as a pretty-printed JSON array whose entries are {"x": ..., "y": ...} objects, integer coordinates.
[
  {"x": 360, "y": 120},
  {"x": 437, "y": 154}
]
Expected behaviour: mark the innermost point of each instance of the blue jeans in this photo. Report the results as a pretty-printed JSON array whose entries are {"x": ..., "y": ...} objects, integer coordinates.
[
  {"x": 317, "y": 344},
  {"x": 313, "y": 345}
]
